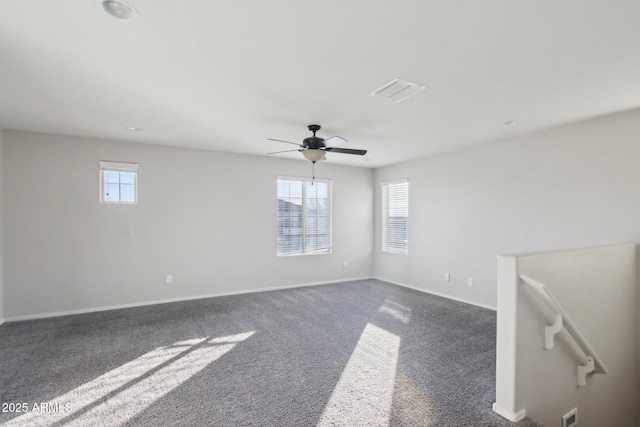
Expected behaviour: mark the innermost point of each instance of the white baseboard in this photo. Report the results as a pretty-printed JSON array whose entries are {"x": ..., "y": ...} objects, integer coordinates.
[
  {"x": 164, "y": 301},
  {"x": 220, "y": 294},
  {"x": 511, "y": 416},
  {"x": 404, "y": 285}
]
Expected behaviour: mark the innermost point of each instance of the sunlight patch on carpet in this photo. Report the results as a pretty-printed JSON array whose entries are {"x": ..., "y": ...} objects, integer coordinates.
[
  {"x": 119, "y": 395},
  {"x": 364, "y": 392},
  {"x": 395, "y": 310},
  {"x": 414, "y": 404}
]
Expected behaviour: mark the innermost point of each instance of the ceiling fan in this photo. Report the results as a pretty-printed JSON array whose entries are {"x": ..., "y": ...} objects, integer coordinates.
[{"x": 314, "y": 148}]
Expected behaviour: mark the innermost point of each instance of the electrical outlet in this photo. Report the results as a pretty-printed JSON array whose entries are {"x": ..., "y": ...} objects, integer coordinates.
[
  {"x": 570, "y": 419},
  {"x": 169, "y": 279},
  {"x": 470, "y": 281},
  {"x": 447, "y": 277}
]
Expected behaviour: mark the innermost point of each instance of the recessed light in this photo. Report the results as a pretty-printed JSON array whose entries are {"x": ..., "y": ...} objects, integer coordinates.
[
  {"x": 510, "y": 122},
  {"x": 119, "y": 9},
  {"x": 133, "y": 129}
]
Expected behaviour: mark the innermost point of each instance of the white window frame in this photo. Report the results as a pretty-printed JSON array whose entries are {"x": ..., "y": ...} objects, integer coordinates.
[
  {"x": 304, "y": 251},
  {"x": 118, "y": 167},
  {"x": 388, "y": 245}
]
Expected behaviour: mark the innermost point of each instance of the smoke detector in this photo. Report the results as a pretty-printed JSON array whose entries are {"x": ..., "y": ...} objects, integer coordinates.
[{"x": 398, "y": 90}]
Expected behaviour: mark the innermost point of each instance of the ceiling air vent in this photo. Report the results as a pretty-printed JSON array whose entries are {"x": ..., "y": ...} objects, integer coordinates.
[{"x": 398, "y": 90}]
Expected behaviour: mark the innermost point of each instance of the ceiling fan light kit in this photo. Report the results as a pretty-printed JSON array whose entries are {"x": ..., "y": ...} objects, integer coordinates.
[{"x": 313, "y": 155}]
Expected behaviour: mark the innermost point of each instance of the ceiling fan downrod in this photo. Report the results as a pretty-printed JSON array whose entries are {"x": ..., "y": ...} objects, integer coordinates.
[{"x": 314, "y": 129}]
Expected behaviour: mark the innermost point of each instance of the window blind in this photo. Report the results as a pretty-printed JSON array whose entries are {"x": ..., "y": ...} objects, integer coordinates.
[
  {"x": 395, "y": 216},
  {"x": 304, "y": 216}
]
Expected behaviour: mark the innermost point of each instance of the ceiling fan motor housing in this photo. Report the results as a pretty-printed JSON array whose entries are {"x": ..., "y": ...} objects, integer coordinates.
[{"x": 313, "y": 142}]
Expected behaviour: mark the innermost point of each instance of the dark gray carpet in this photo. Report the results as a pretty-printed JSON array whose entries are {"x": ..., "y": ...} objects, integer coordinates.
[{"x": 358, "y": 353}]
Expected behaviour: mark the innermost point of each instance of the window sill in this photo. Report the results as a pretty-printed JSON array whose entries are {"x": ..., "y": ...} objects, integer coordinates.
[{"x": 304, "y": 254}]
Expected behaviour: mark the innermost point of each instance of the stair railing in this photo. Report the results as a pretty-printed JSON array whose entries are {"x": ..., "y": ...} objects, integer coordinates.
[{"x": 562, "y": 320}]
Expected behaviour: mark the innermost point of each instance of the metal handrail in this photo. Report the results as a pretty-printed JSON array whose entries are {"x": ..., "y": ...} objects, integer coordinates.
[{"x": 562, "y": 319}]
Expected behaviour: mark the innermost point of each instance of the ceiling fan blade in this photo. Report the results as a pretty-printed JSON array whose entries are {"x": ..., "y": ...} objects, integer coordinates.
[
  {"x": 334, "y": 140},
  {"x": 279, "y": 140},
  {"x": 346, "y": 151},
  {"x": 285, "y": 151}
]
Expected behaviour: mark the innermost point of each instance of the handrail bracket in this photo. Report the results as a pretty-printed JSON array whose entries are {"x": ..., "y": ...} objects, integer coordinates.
[
  {"x": 550, "y": 332},
  {"x": 584, "y": 370}
]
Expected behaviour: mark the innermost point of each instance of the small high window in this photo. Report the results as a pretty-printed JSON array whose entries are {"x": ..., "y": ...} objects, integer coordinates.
[{"x": 118, "y": 182}]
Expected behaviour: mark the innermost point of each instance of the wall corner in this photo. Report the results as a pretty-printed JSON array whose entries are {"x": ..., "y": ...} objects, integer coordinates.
[
  {"x": 506, "y": 334},
  {"x": 1, "y": 226}
]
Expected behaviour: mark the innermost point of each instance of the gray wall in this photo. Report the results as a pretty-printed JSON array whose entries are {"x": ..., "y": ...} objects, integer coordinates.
[
  {"x": 207, "y": 218},
  {"x": 597, "y": 288},
  {"x": 571, "y": 186},
  {"x": 1, "y": 227}
]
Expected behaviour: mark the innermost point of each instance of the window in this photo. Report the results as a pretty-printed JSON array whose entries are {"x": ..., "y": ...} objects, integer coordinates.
[
  {"x": 395, "y": 216},
  {"x": 118, "y": 182},
  {"x": 304, "y": 216}
]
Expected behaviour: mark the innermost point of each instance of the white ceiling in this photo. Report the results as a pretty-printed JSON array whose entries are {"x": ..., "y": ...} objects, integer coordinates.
[{"x": 226, "y": 75}]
